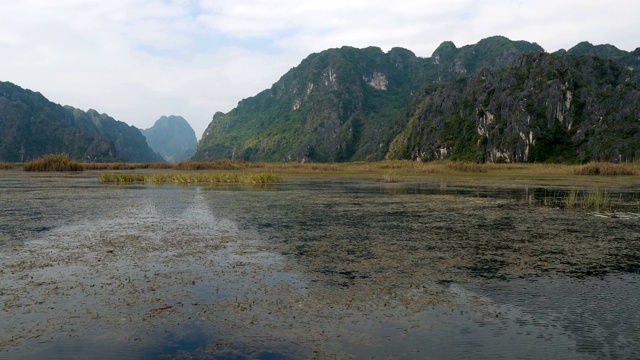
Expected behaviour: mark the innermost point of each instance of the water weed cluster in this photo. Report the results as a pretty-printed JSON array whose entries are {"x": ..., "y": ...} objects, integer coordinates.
[
  {"x": 181, "y": 178},
  {"x": 53, "y": 162}
]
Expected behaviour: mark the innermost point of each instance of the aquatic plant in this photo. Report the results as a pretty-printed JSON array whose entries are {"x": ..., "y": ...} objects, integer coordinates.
[
  {"x": 572, "y": 199},
  {"x": 596, "y": 200},
  {"x": 53, "y": 162},
  {"x": 593, "y": 199}
]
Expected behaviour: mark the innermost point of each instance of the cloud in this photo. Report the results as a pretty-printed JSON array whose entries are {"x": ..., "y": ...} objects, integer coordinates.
[{"x": 139, "y": 59}]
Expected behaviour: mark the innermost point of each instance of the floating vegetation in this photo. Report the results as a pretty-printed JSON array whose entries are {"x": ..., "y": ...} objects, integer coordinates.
[
  {"x": 181, "y": 178},
  {"x": 606, "y": 169},
  {"x": 53, "y": 162}
]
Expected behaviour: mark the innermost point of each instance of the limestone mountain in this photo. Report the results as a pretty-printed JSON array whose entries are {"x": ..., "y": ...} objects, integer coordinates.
[
  {"x": 32, "y": 126},
  {"x": 172, "y": 137},
  {"x": 341, "y": 104},
  {"x": 557, "y": 108}
]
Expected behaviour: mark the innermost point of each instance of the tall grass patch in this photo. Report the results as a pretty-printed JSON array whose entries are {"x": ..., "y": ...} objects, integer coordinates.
[
  {"x": 595, "y": 200},
  {"x": 53, "y": 162},
  {"x": 607, "y": 169},
  {"x": 7, "y": 166}
]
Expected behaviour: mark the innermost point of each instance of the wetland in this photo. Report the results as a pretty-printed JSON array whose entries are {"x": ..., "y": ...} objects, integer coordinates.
[{"x": 319, "y": 266}]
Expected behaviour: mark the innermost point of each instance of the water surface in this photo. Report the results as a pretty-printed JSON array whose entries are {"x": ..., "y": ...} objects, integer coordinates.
[{"x": 346, "y": 268}]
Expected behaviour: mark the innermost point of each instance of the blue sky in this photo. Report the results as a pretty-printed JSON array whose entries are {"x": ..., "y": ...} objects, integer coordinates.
[{"x": 137, "y": 60}]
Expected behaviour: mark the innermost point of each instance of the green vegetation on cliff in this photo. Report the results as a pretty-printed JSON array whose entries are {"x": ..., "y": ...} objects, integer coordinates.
[
  {"x": 544, "y": 108},
  {"x": 341, "y": 104},
  {"x": 31, "y": 126}
]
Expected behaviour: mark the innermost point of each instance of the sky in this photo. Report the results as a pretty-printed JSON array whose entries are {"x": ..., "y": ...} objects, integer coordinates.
[{"x": 137, "y": 60}]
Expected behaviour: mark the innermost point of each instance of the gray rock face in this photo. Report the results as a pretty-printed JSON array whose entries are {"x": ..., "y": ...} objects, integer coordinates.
[
  {"x": 544, "y": 108},
  {"x": 342, "y": 104}
]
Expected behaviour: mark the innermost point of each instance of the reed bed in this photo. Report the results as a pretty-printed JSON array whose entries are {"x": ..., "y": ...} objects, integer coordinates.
[
  {"x": 607, "y": 169},
  {"x": 8, "y": 166},
  {"x": 190, "y": 178},
  {"x": 397, "y": 167},
  {"x": 53, "y": 162}
]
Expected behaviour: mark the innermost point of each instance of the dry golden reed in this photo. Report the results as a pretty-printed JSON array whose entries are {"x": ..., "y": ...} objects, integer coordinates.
[
  {"x": 607, "y": 169},
  {"x": 53, "y": 162}
]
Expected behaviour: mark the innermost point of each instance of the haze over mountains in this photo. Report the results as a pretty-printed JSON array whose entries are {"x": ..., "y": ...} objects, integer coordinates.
[
  {"x": 494, "y": 101},
  {"x": 31, "y": 126},
  {"x": 172, "y": 137}
]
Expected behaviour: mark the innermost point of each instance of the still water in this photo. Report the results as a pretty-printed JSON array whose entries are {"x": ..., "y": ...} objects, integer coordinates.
[{"x": 313, "y": 268}]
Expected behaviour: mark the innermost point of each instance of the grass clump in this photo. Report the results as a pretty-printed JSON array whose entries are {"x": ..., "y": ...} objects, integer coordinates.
[
  {"x": 595, "y": 200},
  {"x": 572, "y": 199},
  {"x": 53, "y": 162},
  {"x": 606, "y": 169}
]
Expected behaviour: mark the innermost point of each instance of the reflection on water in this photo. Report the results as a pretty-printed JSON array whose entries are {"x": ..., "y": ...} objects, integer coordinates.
[{"x": 331, "y": 268}]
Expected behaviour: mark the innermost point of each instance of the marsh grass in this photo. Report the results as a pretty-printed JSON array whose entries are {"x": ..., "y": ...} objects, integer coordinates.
[
  {"x": 607, "y": 169},
  {"x": 572, "y": 199},
  {"x": 388, "y": 169},
  {"x": 8, "y": 166},
  {"x": 53, "y": 162},
  {"x": 192, "y": 178},
  {"x": 597, "y": 200}
]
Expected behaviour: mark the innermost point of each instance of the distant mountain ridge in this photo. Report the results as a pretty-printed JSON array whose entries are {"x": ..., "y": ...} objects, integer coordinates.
[
  {"x": 31, "y": 126},
  {"x": 172, "y": 137},
  {"x": 363, "y": 104}
]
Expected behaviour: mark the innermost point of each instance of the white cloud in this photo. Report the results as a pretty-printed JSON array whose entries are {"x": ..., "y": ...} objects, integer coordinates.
[{"x": 139, "y": 59}]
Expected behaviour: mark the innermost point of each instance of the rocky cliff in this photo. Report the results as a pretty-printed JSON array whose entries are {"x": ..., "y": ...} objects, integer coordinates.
[
  {"x": 342, "y": 104},
  {"x": 544, "y": 108}
]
